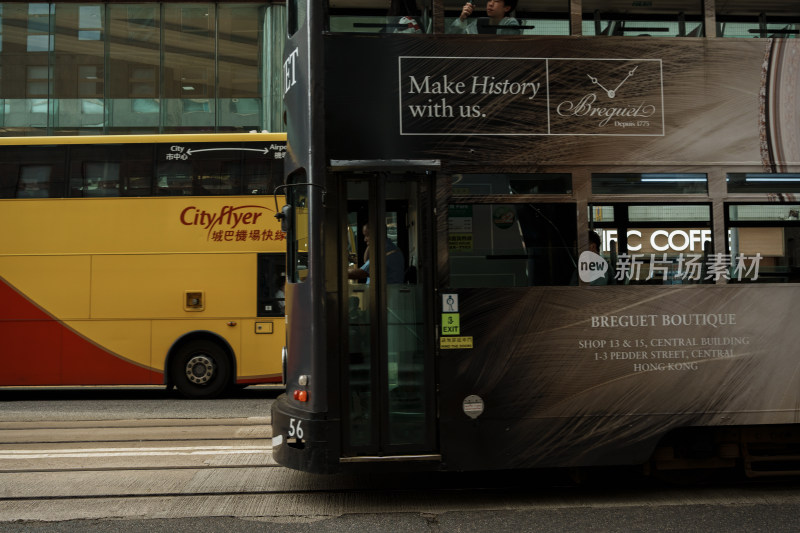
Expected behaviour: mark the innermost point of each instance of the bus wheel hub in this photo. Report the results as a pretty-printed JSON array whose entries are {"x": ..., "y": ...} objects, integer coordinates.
[{"x": 200, "y": 369}]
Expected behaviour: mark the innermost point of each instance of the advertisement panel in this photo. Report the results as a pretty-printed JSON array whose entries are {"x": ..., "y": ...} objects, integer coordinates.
[{"x": 562, "y": 100}]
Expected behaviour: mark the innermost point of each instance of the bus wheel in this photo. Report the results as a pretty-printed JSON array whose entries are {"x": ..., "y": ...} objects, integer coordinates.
[{"x": 200, "y": 369}]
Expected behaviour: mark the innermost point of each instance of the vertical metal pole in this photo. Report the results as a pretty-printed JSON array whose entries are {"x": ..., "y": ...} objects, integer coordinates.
[
  {"x": 575, "y": 17},
  {"x": 438, "y": 16},
  {"x": 709, "y": 18}
]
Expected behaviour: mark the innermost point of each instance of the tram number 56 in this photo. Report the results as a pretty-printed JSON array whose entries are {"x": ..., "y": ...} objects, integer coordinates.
[{"x": 295, "y": 430}]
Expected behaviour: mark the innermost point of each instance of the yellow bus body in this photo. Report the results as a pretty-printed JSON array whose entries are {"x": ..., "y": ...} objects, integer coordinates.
[{"x": 98, "y": 291}]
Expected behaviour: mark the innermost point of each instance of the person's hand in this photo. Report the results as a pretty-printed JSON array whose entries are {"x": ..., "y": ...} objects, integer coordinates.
[{"x": 466, "y": 10}]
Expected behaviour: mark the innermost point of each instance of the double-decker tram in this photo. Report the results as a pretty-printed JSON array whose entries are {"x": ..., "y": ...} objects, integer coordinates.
[
  {"x": 141, "y": 260},
  {"x": 575, "y": 243}
]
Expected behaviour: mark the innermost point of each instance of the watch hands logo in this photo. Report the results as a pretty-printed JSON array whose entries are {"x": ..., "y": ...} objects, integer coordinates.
[{"x": 613, "y": 92}]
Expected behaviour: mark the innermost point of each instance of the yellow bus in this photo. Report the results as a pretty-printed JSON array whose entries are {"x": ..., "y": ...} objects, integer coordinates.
[{"x": 141, "y": 260}]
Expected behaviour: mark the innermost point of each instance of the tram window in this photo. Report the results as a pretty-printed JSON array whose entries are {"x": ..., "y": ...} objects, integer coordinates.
[
  {"x": 682, "y": 19},
  {"x": 757, "y": 23},
  {"x": 763, "y": 183},
  {"x": 764, "y": 243},
  {"x": 512, "y": 245},
  {"x": 402, "y": 16},
  {"x": 531, "y": 19},
  {"x": 298, "y": 230},
  {"x": 296, "y": 13},
  {"x": 656, "y": 244},
  {"x": 649, "y": 183},
  {"x": 543, "y": 18},
  {"x": 482, "y": 184},
  {"x": 669, "y": 213}
]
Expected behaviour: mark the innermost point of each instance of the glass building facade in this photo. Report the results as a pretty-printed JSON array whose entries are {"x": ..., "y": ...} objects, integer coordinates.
[{"x": 115, "y": 68}]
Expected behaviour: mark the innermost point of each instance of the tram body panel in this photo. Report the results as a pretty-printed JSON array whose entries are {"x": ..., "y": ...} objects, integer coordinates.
[{"x": 598, "y": 375}]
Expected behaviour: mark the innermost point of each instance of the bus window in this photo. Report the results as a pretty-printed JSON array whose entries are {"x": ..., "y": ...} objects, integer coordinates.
[
  {"x": 174, "y": 178},
  {"x": 764, "y": 243},
  {"x": 101, "y": 179},
  {"x": 32, "y": 172},
  {"x": 34, "y": 181},
  {"x": 110, "y": 170},
  {"x": 512, "y": 245},
  {"x": 271, "y": 281},
  {"x": 258, "y": 174}
]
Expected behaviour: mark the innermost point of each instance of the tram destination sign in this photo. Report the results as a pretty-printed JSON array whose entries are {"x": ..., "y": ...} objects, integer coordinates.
[{"x": 530, "y": 96}]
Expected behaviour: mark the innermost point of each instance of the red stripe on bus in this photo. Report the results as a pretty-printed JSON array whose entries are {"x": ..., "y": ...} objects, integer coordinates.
[{"x": 37, "y": 349}]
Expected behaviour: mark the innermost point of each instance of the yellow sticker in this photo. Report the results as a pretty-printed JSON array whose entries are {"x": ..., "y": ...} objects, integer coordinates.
[
  {"x": 455, "y": 343},
  {"x": 451, "y": 324},
  {"x": 460, "y": 242}
]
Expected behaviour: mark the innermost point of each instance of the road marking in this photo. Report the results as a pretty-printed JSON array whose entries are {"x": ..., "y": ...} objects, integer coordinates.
[{"x": 133, "y": 452}]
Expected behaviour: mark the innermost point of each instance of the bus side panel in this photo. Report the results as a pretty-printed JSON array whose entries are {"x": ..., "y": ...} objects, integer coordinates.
[
  {"x": 30, "y": 351},
  {"x": 596, "y": 375},
  {"x": 262, "y": 339},
  {"x": 155, "y": 285},
  {"x": 123, "y": 358},
  {"x": 37, "y": 349},
  {"x": 59, "y": 284}
]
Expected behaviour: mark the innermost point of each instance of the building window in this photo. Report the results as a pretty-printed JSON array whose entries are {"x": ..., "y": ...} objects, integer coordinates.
[
  {"x": 39, "y": 38},
  {"x": 90, "y": 23},
  {"x": 38, "y": 81},
  {"x": 141, "y": 21},
  {"x": 196, "y": 20}
]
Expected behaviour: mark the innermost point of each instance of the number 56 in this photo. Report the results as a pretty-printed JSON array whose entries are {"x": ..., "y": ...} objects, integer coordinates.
[{"x": 294, "y": 429}]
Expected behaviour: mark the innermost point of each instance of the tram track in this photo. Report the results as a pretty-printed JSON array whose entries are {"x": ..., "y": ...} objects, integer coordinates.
[{"x": 90, "y": 470}]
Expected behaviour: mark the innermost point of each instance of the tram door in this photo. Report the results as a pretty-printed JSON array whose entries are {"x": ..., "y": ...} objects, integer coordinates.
[{"x": 388, "y": 393}]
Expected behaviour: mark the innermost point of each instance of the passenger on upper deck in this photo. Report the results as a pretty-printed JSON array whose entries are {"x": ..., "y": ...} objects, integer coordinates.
[
  {"x": 405, "y": 17},
  {"x": 499, "y": 20}
]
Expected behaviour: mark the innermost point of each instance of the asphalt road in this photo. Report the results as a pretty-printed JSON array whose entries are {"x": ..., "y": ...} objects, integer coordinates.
[
  {"x": 143, "y": 460},
  {"x": 115, "y": 403}
]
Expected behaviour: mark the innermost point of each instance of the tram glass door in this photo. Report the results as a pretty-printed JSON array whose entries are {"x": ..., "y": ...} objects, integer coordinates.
[{"x": 388, "y": 372}]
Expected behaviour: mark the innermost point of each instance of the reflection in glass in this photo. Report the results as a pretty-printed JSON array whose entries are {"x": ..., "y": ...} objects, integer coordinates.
[
  {"x": 649, "y": 183},
  {"x": 483, "y": 184},
  {"x": 512, "y": 245},
  {"x": 756, "y": 182}
]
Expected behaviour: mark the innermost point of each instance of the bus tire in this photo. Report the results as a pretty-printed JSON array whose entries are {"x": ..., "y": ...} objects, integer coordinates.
[{"x": 200, "y": 369}]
